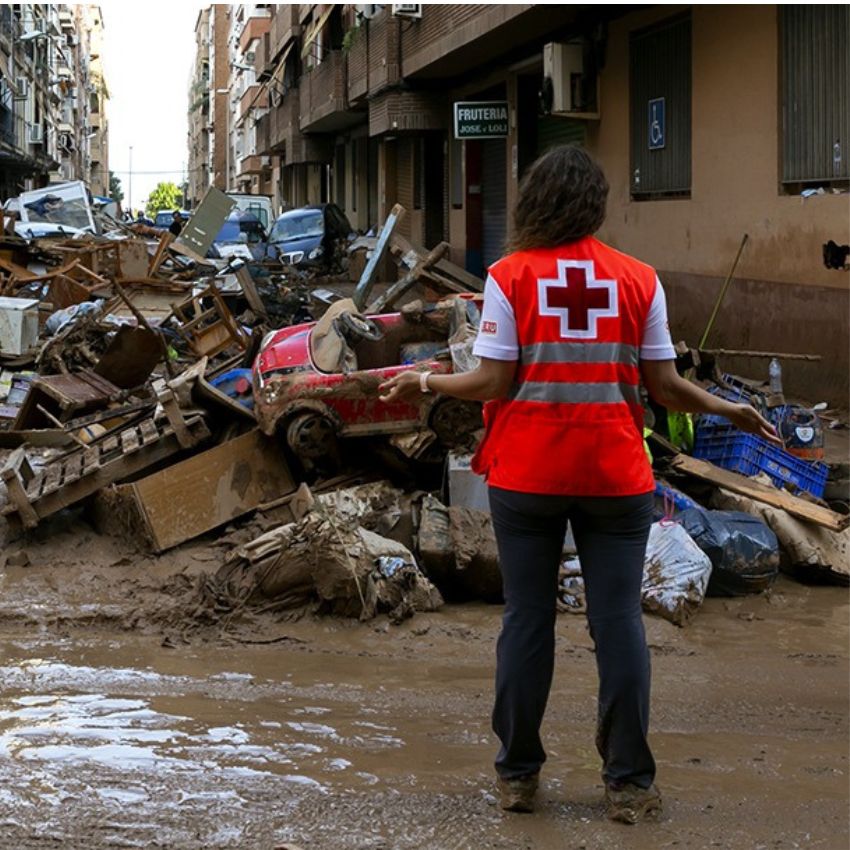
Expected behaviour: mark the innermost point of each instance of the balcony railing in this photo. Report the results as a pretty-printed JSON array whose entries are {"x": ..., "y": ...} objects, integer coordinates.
[
  {"x": 323, "y": 91},
  {"x": 255, "y": 97},
  {"x": 253, "y": 164},
  {"x": 255, "y": 27},
  {"x": 285, "y": 26}
]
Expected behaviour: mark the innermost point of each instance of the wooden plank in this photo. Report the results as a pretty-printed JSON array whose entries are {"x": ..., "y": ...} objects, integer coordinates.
[
  {"x": 110, "y": 444},
  {"x": 205, "y": 491},
  {"x": 461, "y": 275},
  {"x": 73, "y": 469},
  {"x": 149, "y": 432},
  {"x": 249, "y": 290},
  {"x": 159, "y": 255},
  {"x": 18, "y": 499},
  {"x": 91, "y": 462},
  {"x": 364, "y": 285},
  {"x": 52, "y": 479},
  {"x": 130, "y": 441},
  {"x": 120, "y": 468},
  {"x": 175, "y": 418},
  {"x": 761, "y": 492},
  {"x": 386, "y": 301}
]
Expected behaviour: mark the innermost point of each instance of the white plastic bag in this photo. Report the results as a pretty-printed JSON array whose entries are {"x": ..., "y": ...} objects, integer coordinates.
[{"x": 675, "y": 573}]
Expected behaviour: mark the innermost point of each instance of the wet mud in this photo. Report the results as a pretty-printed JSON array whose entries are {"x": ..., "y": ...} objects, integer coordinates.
[{"x": 330, "y": 734}]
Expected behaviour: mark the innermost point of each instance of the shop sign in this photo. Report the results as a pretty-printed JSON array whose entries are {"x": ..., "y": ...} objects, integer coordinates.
[{"x": 481, "y": 119}]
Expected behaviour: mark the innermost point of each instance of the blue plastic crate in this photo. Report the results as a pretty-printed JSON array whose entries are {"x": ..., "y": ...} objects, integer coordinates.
[
  {"x": 738, "y": 451},
  {"x": 733, "y": 394}
]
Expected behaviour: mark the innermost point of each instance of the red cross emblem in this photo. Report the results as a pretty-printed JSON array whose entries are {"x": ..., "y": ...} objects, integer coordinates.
[{"x": 577, "y": 298}]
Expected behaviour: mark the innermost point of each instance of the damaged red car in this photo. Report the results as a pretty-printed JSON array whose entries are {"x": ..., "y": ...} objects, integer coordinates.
[{"x": 315, "y": 384}]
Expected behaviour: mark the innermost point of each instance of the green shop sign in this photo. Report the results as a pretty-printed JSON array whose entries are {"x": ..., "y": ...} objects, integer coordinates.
[{"x": 481, "y": 119}]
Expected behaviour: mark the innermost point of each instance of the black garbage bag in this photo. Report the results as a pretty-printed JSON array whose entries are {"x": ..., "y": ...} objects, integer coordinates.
[{"x": 744, "y": 552}]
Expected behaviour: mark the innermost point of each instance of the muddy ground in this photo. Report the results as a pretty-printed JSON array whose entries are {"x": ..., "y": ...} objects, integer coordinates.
[{"x": 119, "y": 727}]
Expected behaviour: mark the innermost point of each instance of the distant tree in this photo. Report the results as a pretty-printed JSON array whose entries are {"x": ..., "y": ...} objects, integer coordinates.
[
  {"x": 115, "y": 190},
  {"x": 165, "y": 196}
]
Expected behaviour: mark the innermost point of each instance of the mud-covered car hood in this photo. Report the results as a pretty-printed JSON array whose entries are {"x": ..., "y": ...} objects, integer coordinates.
[{"x": 288, "y": 350}]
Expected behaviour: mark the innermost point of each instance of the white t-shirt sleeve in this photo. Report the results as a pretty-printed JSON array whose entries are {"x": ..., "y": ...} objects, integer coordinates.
[
  {"x": 656, "y": 343},
  {"x": 497, "y": 336}
]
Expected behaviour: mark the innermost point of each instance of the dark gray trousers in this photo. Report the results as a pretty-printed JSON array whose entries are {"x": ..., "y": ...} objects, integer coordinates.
[{"x": 610, "y": 536}]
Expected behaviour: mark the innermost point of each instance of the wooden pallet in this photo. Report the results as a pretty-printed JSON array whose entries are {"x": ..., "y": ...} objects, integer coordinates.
[{"x": 31, "y": 496}]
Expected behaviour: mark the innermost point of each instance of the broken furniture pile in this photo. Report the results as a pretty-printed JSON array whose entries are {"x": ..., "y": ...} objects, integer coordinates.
[
  {"x": 127, "y": 388},
  {"x": 126, "y": 385}
]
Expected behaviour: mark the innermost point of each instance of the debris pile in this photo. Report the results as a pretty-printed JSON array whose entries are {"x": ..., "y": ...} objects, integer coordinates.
[{"x": 170, "y": 393}]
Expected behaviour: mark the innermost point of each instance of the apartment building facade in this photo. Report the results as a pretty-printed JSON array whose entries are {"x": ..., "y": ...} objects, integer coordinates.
[
  {"x": 710, "y": 122},
  {"x": 53, "y": 96}
]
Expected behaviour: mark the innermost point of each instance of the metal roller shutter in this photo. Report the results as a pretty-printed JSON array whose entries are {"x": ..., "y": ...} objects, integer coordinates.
[
  {"x": 404, "y": 183},
  {"x": 494, "y": 189},
  {"x": 553, "y": 131}
]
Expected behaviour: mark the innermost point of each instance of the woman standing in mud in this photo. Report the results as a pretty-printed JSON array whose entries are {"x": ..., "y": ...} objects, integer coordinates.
[{"x": 568, "y": 329}]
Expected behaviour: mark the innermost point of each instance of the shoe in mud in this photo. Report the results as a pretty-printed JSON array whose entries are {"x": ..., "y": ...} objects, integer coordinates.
[
  {"x": 631, "y": 804},
  {"x": 517, "y": 795}
]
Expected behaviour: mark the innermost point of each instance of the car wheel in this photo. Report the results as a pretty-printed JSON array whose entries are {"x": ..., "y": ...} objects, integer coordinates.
[{"x": 311, "y": 436}]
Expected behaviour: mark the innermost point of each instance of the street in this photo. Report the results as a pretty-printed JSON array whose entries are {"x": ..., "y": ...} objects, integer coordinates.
[{"x": 331, "y": 734}]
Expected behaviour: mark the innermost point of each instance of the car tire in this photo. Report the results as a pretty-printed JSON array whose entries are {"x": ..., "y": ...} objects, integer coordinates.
[{"x": 312, "y": 439}]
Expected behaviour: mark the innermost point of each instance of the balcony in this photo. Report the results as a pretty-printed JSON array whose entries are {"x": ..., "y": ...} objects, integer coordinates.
[
  {"x": 255, "y": 28},
  {"x": 453, "y": 39},
  {"x": 66, "y": 21},
  {"x": 263, "y": 65},
  {"x": 324, "y": 105},
  {"x": 358, "y": 67},
  {"x": 286, "y": 25},
  {"x": 255, "y": 97},
  {"x": 253, "y": 164}
]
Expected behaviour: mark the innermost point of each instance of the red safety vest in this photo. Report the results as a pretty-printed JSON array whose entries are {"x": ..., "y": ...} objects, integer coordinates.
[{"x": 573, "y": 421}]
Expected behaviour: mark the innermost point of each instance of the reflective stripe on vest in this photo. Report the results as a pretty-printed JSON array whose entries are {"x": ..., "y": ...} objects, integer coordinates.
[
  {"x": 551, "y": 392},
  {"x": 580, "y": 352}
]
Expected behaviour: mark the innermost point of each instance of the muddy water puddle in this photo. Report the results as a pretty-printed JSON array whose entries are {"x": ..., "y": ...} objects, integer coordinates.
[{"x": 354, "y": 736}]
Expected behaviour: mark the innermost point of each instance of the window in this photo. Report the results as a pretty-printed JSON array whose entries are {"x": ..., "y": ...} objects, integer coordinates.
[
  {"x": 814, "y": 91},
  {"x": 660, "y": 60}
]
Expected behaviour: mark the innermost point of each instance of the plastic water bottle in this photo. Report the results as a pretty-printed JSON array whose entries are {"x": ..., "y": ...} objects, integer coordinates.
[
  {"x": 775, "y": 372},
  {"x": 836, "y": 158}
]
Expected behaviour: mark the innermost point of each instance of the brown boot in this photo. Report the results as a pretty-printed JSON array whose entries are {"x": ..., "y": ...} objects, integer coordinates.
[
  {"x": 631, "y": 804},
  {"x": 517, "y": 795}
]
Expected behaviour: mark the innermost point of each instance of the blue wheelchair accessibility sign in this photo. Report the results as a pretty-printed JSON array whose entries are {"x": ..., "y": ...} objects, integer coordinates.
[{"x": 657, "y": 128}]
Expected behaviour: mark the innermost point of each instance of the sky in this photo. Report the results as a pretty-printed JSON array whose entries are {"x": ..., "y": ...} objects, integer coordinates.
[{"x": 148, "y": 54}]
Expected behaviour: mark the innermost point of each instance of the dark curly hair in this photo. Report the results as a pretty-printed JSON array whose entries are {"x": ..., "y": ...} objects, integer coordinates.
[{"x": 562, "y": 198}]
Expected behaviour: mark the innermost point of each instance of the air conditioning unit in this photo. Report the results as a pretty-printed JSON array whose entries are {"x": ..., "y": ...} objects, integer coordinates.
[
  {"x": 36, "y": 134},
  {"x": 407, "y": 10},
  {"x": 368, "y": 10},
  {"x": 22, "y": 84},
  {"x": 566, "y": 90}
]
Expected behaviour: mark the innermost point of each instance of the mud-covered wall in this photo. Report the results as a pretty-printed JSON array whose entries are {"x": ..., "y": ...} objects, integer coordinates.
[
  {"x": 783, "y": 298},
  {"x": 735, "y": 161},
  {"x": 769, "y": 316}
]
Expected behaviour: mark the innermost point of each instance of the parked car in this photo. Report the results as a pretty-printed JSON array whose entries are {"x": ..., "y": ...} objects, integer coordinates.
[
  {"x": 163, "y": 218},
  {"x": 241, "y": 235},
  {"x": 317, "y": 382},
  {"x": 310, "y": 236}
]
